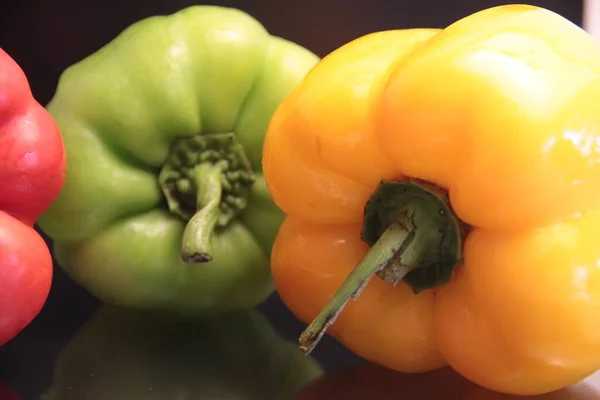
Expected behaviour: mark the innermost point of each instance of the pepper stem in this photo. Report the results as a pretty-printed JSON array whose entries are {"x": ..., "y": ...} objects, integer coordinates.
[
  {"x": 206, "y": 181},
  {"x": 415, "y": 237},
  {"x": 377, "y": 258},
  {"x": 198, "y": 233}
]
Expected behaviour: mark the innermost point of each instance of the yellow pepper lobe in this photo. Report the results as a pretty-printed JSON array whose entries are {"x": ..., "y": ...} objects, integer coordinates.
[
  {"x": 496, "y": 108},
  {"x": 321, "y": 158}
]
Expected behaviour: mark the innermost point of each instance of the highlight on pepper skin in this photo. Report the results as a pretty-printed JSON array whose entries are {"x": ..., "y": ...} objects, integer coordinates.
[{"x": 389, "y": 132}]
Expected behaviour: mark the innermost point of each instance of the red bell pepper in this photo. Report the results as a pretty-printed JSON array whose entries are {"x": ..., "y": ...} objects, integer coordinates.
[
  {"x": 7, "y": 393},
  {"x": 32, "y": 172}
]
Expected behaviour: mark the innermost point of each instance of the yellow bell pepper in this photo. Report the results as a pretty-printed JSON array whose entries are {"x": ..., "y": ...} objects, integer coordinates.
[{"x": 461, "y": 167}]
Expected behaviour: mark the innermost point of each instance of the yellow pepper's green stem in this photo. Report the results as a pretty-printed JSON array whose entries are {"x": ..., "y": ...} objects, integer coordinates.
[
  {"x": 198, "y": 233},
  {"x": 415, "y": 237},
  {"x": 378, "y": 257}
]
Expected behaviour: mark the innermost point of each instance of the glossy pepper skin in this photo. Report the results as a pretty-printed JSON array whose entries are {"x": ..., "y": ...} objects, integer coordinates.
[
  {"x": 164, "y": 204},
  {"x": 500, "y": 110},
  {"x": 32, "y": 167}
]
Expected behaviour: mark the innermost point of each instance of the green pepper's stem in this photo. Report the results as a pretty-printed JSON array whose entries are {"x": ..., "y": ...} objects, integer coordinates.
[
  {"x": 392, "y": 242},
  {"x": 197, "y": 236}
]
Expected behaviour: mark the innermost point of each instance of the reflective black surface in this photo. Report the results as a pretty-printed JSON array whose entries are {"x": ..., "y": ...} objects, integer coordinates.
[
  {"x": 79, "y": 349},
  {"x": 123, "y": 354}
]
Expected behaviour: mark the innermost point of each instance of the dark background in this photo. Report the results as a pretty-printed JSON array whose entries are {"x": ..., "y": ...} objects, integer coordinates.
[{"x": 46, "y": 36}]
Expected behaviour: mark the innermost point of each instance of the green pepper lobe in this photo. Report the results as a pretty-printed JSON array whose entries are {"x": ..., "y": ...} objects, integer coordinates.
[{"x": 163, "y": 129}]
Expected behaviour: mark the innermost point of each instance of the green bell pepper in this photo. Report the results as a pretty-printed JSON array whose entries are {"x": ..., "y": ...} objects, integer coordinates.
[
  {"x": 127, "y": 354},
  {"x": 164, "y": 204}
]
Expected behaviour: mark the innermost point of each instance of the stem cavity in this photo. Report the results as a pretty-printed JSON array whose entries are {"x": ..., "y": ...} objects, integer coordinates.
[
  {"x": 206, "y": 181},
  {"x": 414, "y": 236}
]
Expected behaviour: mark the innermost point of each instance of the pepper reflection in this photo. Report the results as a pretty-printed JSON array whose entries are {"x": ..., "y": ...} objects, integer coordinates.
[
  {"x": 131, "y": 354},
  {"x": 366, "y": 381}
]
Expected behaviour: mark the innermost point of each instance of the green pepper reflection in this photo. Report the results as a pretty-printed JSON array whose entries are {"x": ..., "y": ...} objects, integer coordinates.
[{"x": 127, "y": 354}]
